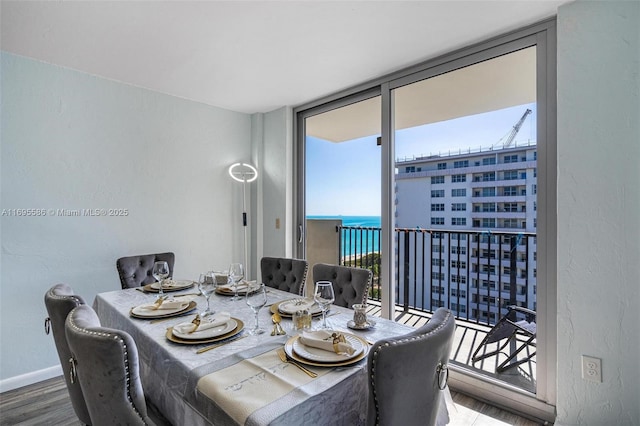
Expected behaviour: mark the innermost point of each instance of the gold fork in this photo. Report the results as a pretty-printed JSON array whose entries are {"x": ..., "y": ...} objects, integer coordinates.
[{"x": 283, "y": 358}]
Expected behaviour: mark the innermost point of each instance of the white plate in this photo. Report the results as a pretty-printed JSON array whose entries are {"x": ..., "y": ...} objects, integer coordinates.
[
  {"x": 320, "y": 355},
  {"x": 292, "y": 306},
  {"x": 177, "y": 284},
  {"x": 209, "y": 332},
  {"x": 141, "y": 310}
]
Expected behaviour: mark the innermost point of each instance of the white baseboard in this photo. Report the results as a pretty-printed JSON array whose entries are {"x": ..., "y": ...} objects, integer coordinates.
[{"x": 30, "y": 378}]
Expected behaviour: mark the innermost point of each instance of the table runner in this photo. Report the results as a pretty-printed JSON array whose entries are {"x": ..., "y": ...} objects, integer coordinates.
[
  {"x": 281, "y": 407},
  {"x": 252, "y": 384}
]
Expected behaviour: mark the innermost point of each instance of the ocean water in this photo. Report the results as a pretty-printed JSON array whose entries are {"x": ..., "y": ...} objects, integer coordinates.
[
  {"x": 363, "y": 221},
  {"x": 355, "y": 242}
]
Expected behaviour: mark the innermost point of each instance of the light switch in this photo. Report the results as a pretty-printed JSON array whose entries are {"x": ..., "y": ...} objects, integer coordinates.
[{"x": 277, "y": 223}]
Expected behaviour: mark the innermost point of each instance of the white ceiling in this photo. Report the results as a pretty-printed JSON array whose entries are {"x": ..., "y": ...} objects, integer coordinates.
[
  {"x": 253, "y": 56},
  {"x": 501, "y": 82}
]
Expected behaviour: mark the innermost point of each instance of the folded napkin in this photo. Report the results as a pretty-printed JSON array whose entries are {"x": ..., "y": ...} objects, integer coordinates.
[
  {"x": 217, "y": 320},
  {"x": 293, "y": 306},
  {"x": 166, "y": 304},
  {"x": 242, "y": 286},
  {"x": 230, "y": 289},
  {"x": 332, "y": 342}
]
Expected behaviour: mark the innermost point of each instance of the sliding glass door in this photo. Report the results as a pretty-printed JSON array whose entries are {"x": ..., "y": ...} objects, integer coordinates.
[
  {"x": 342, "y": 184},
  {"x": 459, "y": 153},
  {"x": 465, "y": 202}
]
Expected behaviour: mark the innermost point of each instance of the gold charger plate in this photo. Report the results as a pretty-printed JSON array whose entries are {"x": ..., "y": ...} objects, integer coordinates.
[
  {"x": 232, "y": 333},
  {"x": 188, "y": 308},
  {"x": 274, "y": 309},
  {"x": 225, "y": 292},
  {"x": 148, "y": 288},
  {"x": 288, "y": 348}
]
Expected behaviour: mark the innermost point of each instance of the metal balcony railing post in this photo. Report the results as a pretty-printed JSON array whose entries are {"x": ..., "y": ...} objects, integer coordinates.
[
  {"x": 405, "y": 274},
  {"x": 341, "y": 252},
  {"x": 513, "y": 287}
]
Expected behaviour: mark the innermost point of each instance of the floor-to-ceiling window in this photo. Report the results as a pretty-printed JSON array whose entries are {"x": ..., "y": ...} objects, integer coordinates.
[
  {"x": 342, "y": 183},
  {"x": 465, "y": 153}
]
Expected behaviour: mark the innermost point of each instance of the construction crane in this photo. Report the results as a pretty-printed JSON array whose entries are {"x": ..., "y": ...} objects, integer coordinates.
[{"x": 514, "y": 131}]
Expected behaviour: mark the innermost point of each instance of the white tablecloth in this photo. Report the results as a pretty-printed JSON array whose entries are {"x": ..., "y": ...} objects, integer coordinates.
[{"x": 170, "y": 371}]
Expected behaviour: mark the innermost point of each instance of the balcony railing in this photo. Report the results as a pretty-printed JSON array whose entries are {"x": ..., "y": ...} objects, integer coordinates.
[{"x": 476, "y": 274}]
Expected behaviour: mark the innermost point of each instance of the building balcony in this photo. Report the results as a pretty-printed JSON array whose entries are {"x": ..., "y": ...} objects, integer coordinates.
[
  {"x": 429, "y": 275},
  {"x": 479, "y": 197},
  {"x": 467, "y": 336}
]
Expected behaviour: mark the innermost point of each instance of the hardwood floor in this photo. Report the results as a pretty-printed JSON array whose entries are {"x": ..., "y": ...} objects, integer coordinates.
[{"x": 47, "y": 403}]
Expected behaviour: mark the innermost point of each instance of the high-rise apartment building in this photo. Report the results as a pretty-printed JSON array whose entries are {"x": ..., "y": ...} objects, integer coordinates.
[{"x": 475, "y": 214}]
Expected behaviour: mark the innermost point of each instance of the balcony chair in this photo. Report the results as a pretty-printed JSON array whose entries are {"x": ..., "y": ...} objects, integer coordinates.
[
  {"x": 136, "y": 271},
  {"x": 59, "y": 301},
  {"x": 105, "y": 363},
  {"x": 284, "y": 274},
  {"x": 510, "y": 327},
  {"x": 350, "y": 285},
  {"x": 407, "y": 374}
]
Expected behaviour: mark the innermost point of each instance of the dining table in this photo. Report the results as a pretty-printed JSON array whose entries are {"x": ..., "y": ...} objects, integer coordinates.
[{"x": 242, "y": 380}]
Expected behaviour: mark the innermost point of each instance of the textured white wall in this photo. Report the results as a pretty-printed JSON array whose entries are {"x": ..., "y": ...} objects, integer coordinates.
[
  {"x": 276, "y": 170},
  {"x": 73, "y": 141},
  {"x": 598, "y": 211}
]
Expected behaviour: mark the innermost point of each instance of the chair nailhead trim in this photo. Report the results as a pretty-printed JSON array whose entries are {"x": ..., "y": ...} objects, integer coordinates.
[
  {"x": 377, "y": 351},
  {"x": 65, "y": 297},
  {"x": 125, "y": 356}
]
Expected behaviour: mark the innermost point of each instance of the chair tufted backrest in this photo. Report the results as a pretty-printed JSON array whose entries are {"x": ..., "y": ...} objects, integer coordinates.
[
  {"x": 408, "y": 373},
  {"x": 136, "y": 271},
  {"x": 59, "y": 301},
  {"x": 350, "y": 285},
  {"x": 106, "y": 366},
  {"x": 284, "y": 274}
]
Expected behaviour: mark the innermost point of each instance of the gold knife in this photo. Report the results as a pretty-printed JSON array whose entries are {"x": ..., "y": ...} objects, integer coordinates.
[{"x": 217, "y": 345}]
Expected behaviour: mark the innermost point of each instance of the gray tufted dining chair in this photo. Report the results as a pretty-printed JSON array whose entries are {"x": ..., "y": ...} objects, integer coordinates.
[
  {"x": 407, "y": 374},
  {"x": 105, "y": 363},
  {"x": 350, "y": 285},
  {"x": 59, "y": 301},
  {"x": 135, "y": 271},
  {"x": 284, "y": 274}
]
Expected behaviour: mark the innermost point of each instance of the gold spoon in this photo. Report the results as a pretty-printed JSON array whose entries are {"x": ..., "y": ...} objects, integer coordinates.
[
  {"x": 275, "y": 325},
  {"x": 276, "y": 318},
  {"x": 275, "y": 330}
]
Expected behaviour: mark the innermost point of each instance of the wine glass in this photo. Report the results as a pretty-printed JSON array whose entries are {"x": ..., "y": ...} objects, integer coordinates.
[
  {"x": 160, "y": 273},
  {"x": 324, "y": 297},
  {"x": 256, "y": 298},
  {"x": 236, "y": 273},
  {"x": 207, "y": 285}
]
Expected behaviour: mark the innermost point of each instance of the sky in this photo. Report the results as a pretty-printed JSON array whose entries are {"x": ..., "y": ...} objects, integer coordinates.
[{"x": 344, "y": 178}]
